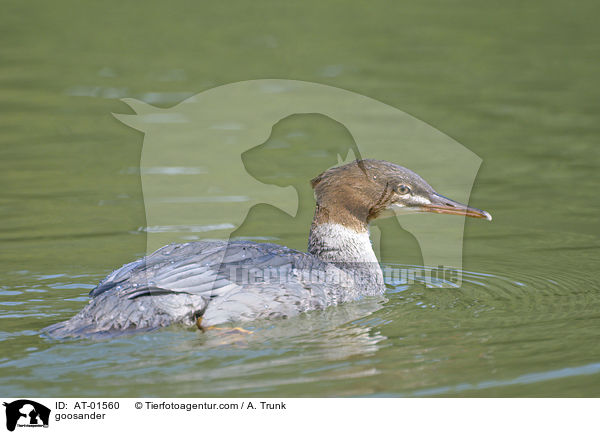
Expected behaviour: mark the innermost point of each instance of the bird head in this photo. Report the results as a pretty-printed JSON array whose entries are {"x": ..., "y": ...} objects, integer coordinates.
[{"x": 364, "y": 190}]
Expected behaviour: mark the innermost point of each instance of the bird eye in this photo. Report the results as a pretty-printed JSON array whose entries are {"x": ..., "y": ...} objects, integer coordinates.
[{"x": 403, "y": 189}]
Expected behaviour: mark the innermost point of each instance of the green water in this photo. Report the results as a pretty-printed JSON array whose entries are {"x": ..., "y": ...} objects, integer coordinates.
[{"x": 516, "y": 83}]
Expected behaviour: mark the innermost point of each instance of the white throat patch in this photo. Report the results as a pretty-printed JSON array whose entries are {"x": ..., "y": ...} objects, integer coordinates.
[{"x": 340, "y": 243}]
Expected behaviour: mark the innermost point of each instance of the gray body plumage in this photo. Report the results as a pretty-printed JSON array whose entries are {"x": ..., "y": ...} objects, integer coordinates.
[{"x": 221, "y": 282}]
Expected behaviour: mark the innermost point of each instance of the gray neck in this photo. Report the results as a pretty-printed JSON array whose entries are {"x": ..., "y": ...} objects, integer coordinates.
[{"x": 346, "y": 248}]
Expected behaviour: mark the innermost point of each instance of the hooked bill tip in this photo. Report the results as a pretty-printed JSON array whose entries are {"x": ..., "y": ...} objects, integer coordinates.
[{"x": 488, "y": 216}]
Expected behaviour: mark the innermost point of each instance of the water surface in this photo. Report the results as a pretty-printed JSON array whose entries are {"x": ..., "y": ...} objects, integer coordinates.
[{"x": 516, "y": 83}]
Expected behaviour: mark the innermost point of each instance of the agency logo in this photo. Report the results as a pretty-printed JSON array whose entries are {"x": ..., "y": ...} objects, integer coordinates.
[
  {"x": 26, "y": 413},
  {"x": 221, "y": 163}
]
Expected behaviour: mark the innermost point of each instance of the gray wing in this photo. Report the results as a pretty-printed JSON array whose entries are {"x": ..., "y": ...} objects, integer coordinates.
[
  {"x": 190, "y": 268},
  {"x": 180, "y": 282}
]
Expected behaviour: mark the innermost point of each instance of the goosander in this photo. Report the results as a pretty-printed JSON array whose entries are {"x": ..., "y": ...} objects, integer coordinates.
[{"x": 210, "y": 283}]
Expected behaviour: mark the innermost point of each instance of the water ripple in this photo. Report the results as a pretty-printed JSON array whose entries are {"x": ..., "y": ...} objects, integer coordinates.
[{"x": 535, "y": 377}]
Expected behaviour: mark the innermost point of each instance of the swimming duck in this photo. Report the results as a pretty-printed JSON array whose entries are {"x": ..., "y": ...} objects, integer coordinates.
[{"x": 210, "y": 283}]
